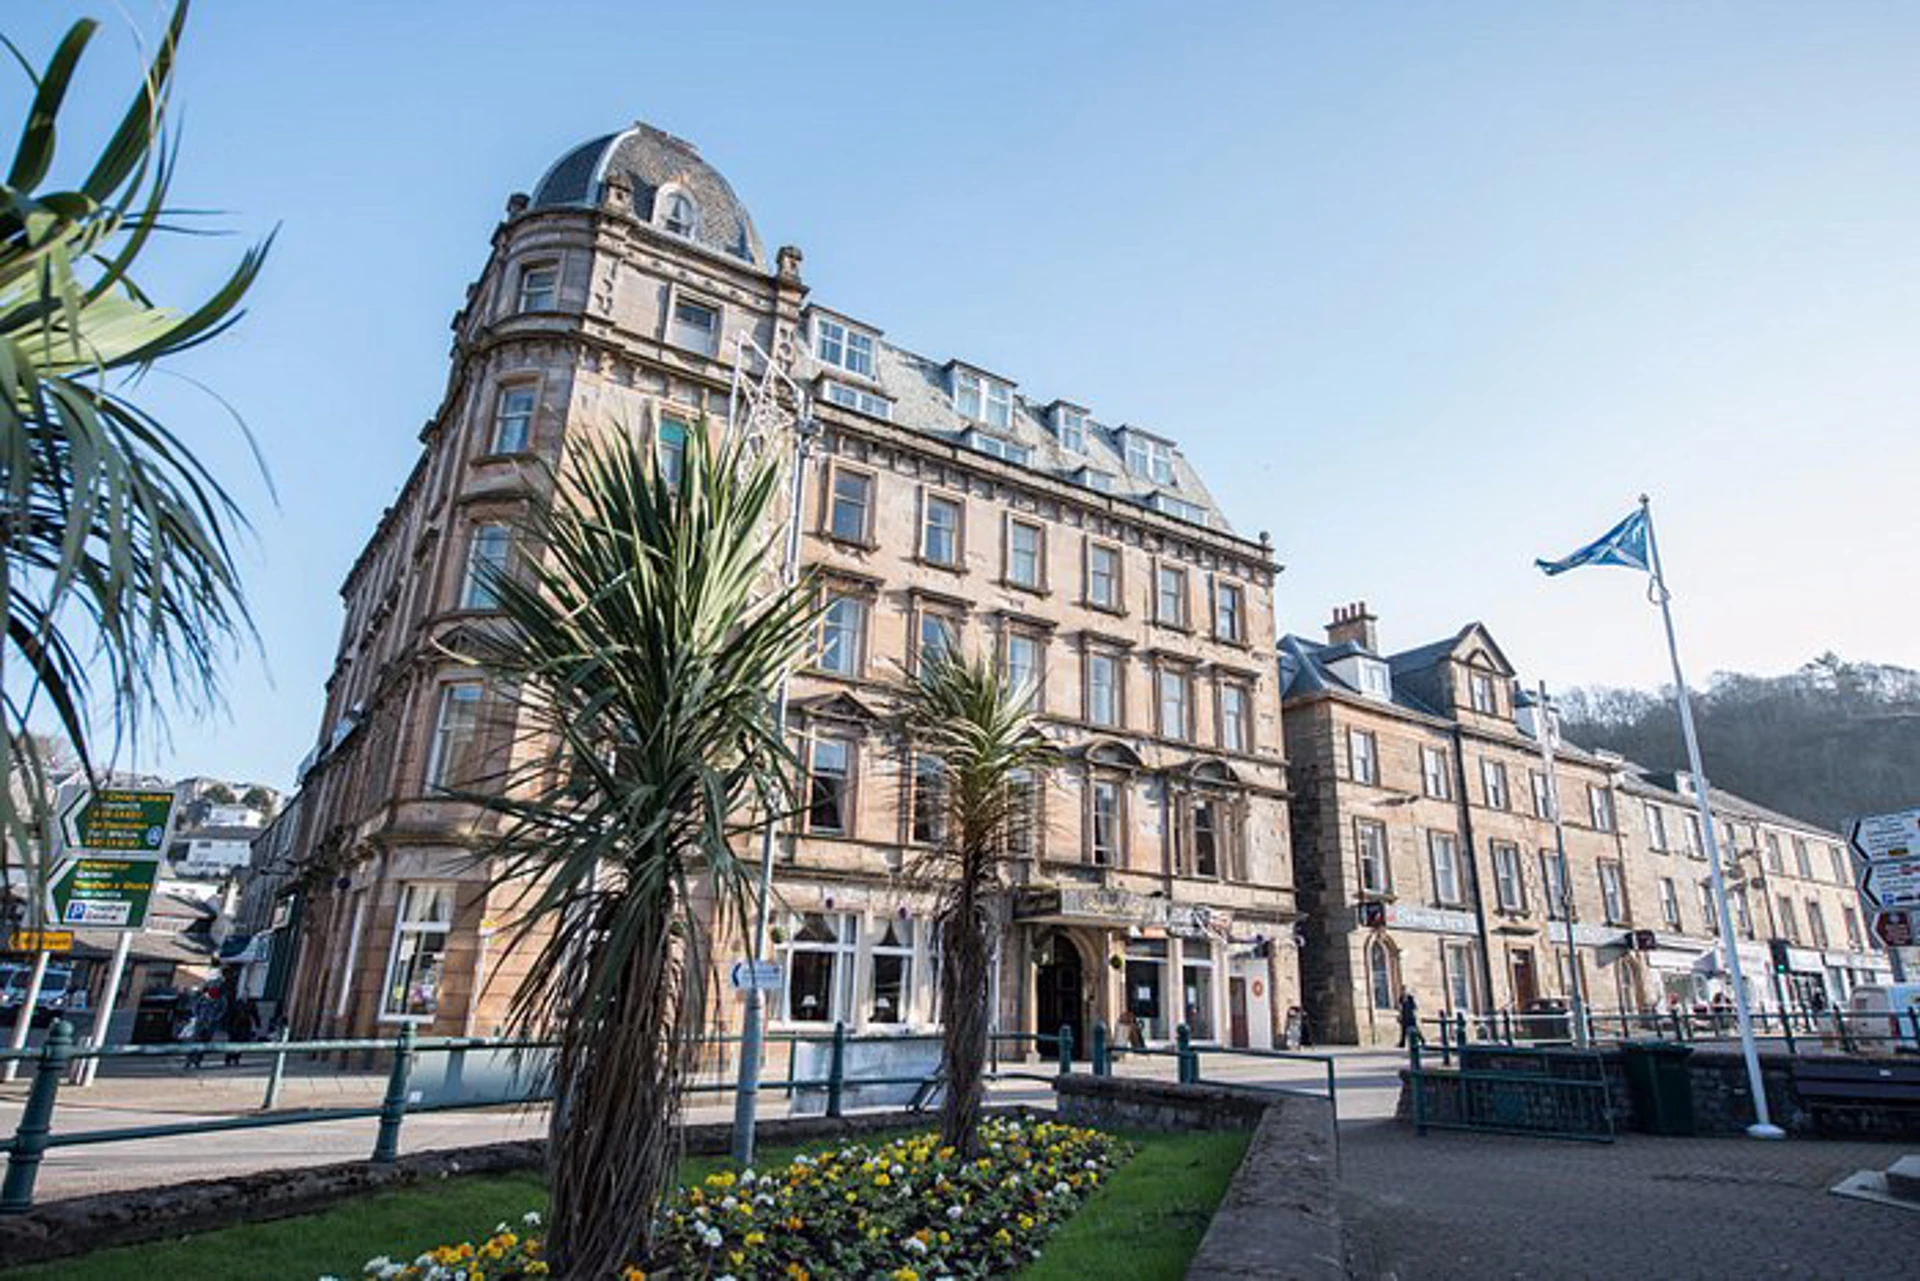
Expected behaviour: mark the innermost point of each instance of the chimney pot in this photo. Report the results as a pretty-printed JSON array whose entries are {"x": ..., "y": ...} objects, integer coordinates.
[{"x": 1354, "y": 623}]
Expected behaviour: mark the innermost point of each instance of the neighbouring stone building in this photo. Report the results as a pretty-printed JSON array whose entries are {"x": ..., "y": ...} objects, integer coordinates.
[
  {"x": 945, "y": 508},
  {"x": 1426, "y": 858}
]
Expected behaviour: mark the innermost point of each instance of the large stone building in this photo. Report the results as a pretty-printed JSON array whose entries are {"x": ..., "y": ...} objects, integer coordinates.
[
  {"x": 945, "y": 508},
  {"x": 1427, "y": 861}
]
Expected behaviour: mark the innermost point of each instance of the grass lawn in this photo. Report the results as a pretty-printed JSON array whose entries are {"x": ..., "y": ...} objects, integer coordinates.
[{"x": 1146, "y": 1223}]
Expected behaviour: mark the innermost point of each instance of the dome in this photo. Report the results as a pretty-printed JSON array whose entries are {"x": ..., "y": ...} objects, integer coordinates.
[{"x": 672, "y": 188}]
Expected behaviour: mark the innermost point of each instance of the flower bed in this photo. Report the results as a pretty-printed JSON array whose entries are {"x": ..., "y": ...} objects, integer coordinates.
[{"x": 908, "y": 1210}]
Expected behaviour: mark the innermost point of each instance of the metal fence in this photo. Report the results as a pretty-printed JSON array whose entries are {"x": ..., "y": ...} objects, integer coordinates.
[
  {"x": 1562, "y": 1096},
  {"x": 53, "y": 1062},
  {"x": 1793, "y": 1030}
]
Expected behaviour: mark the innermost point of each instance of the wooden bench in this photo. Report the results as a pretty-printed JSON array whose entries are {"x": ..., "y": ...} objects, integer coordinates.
[{"x": 1859, "y": 1086}]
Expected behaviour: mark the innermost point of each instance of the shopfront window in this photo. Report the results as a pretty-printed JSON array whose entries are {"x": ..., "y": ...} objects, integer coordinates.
[
  {"x": 1196, "y": 989},
  {"x": 819, "y": 971},
  {"x": 418, "y": 963},
  {"x": 1146, "y": 979},
  {"x": 891, "y": 986}
]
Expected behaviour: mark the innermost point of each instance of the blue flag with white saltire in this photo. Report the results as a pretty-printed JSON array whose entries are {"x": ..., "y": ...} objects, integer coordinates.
[{"x": 1624, "y": 544}]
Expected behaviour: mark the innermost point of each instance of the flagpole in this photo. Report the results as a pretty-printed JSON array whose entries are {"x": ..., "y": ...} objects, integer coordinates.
[
  {"x": 1763, "y": 1126},
  {"x": 1576, "y": 1005}
]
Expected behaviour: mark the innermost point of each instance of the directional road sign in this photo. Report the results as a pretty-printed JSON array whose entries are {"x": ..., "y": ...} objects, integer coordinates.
[
  {"x": 103, "y": 893},
  {"x": 761, "y": 975},
  {"x": 41, "y": 941},
  {"x": 1886, "y": 836},
  {"x": 1892, "y": 883},
  {"x": 118, "y": 821}
]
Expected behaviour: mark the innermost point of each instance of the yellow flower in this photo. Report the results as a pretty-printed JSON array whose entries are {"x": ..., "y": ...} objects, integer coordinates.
[
  {"x": 755, "y": 1238},
  {"x": 633, "y": 1274},
  {"x": 797, "y": 1273},
  {"x": 537, "y": 1268},
  {"x": 881, "y": 1180},
  {"x": 905, "y": 1274},
  {"x": 1002, "y": 1238},
  {"x": 794, "y": 1223},
  {"x": 1026, "y": 1223},
  {"x": 737, "y": 1257}
]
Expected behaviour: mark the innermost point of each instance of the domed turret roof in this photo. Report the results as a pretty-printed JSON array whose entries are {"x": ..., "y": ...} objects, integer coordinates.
[{"x": 658, "y": 167}]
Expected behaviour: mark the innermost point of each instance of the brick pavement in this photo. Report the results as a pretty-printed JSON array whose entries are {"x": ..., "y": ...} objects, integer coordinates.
[{"x": 1486, "y": 1206}]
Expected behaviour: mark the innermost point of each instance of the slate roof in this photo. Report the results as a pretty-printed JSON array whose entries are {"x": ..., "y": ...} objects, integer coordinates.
[{"x": 649, "y": 160}]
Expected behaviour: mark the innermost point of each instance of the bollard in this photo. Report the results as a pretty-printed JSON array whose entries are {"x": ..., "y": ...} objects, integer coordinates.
[
  {"x": 36, "y": 1120},
  {"x": 278, "y": 1072},
  {"x": 1102, "y": 1066},
  {"x": 1446, "y": 1041},
  {"x": 836, "y": 1069},
  {"x": 1413, "y": 1079},
  {"x": 1786, "y": 1030},
  {"x": 1065, "y": 1046},
  {"x": 1460, "y": 1033},
  {"x": 1186, "y": 1062},
  {"x": 1506, "y": 1023},
  {"x": 393, "y": 1108}
]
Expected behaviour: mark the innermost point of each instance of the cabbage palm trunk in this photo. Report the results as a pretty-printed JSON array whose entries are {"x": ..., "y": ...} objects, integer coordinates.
[
  {"x": 638, "y": 641},
  {"x": 991, "y": 758}
]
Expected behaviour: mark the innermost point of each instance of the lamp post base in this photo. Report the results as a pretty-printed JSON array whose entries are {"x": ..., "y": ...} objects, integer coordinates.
[{"x": 1761, "y": 1130}]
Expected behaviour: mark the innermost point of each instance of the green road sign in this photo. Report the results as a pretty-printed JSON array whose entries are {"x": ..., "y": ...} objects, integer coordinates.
[
  {"x": 118, "y": 821},
  {"x": 103, "y": 893}
]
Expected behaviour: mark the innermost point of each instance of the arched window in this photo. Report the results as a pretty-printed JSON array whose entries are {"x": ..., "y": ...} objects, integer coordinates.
[
  {"x": 1380, "y": 975},
  {"x": 679, "y": 215}
]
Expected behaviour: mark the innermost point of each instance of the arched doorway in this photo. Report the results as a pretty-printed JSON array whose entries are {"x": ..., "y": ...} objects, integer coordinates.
[{"x": 1059, "y": 983}]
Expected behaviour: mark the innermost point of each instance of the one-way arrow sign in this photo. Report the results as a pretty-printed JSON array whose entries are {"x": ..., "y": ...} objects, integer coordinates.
[
  {"x": 1886, "y": 836},
  {"x": 1894, "y": 883}
]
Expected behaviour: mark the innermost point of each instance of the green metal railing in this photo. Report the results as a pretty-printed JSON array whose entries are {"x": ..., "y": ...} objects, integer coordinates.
[
  {"x": 1841, "y": 1029},
  {"x": 35, "y": 1135}
]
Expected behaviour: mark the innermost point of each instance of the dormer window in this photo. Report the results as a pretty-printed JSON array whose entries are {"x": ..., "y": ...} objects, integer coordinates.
[
  {"x": 1369, "y": 674},
  {"x": 1094, "y": 478},
  {"x": 842, "y": 346},
  {"x": 677, "y": 214},
  {"x": 1070, "y": 425},
  {"x": 1150, "y": 459},
  {"x": 1481, "y": 689},
  {"x": 1180, "y": 508},
  {"x": 1002, "y": 449},
  {"x": 982, "y": 399}
]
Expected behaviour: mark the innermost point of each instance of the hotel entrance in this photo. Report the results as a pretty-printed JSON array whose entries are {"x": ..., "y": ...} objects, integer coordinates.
[{"x": 1060, "y": 992}]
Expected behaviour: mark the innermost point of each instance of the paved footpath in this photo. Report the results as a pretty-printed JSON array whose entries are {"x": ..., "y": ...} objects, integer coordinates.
[{"x": 1486, "y": 1206}]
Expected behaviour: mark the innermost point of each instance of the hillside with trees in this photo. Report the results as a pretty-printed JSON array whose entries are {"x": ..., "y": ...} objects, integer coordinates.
[{"x": 1826, "y": 743}]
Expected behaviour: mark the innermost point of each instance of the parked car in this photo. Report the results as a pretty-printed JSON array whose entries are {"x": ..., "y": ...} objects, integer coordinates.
[
  {"x": 1895, "y": 1002},
  {"x": 59, "y": 995}
]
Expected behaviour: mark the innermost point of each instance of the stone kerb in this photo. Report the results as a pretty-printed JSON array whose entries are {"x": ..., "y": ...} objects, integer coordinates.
[{"x": 1122, "y": 1103}]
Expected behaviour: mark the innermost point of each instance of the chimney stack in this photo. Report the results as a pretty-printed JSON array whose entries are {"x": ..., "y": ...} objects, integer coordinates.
[{"x": 1354, "y": 623}]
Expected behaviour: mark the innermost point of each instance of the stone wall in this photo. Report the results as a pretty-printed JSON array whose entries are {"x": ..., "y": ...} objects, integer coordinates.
[
  {"x": 1280, "y": 1216},
  {"x": 1121, "y": 1103}
]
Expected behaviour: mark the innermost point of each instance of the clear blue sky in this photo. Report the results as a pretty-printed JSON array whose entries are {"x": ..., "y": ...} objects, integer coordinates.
[{"x": 1424, "y": 290}]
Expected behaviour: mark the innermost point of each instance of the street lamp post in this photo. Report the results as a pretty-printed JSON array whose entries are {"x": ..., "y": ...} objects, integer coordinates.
[{"x": 755, "y": 409}]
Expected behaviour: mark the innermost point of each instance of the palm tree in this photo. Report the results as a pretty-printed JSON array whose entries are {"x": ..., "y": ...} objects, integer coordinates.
[
  {"x": 638, "y": 647},
  {"x": 991, "y": 756},
  {"x": 115, "y": 536}
]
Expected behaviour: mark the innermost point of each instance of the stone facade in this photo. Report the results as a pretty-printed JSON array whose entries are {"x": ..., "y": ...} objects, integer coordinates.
[
  {"x": 941, "y": 507},
  {"x": 1427, "y": 859}
]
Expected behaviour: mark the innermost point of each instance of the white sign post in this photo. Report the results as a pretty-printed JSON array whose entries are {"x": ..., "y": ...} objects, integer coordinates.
[{"x": 1887, "y": 847}]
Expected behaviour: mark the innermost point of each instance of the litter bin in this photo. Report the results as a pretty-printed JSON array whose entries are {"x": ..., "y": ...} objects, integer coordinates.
[
  {"x": 1660, "y": 1086},
  {"x": 153, "y": 1020}
]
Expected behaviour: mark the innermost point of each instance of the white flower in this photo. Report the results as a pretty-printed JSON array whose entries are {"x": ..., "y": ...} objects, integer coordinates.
[
  {"x": 531, "y": 1218},
  {"x": 729, "y": 1203},
  {"x": 1061, "y": 1189},
  {"x": 712, "y": 1238},
  {"x": 896, "y": 1168},
  {"x": 377, "y": 1267},
  {"x": 746, "y": 1176},
  {"x": 699, "y": 1211},
  {"x": 727, "y": 1276},
  {"x": 916, "y": 1246},
  {"x": 955, "y": 1211}
]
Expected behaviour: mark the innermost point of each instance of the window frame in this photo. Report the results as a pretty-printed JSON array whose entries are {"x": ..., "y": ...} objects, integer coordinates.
[
  {"x": 835, "y": 594},
  {"x": 849, "y": 800},
  {"x": 1070, "y": 421},
  {"x": 497, "y": 442},
  {"x": 438, "y": 760},
  {"x": 1495, "y": 797},
  {"x": 1434, "y": 785},
  {"x": 1116, "y": 604},
  {"x": 1480, "y": 683},
  {"x": 1093, "y": 654},
  {"x": 931, "y": 499},
  {"x": 845, "y": 950},
  {"x": 1225, "y": 590},
  {"x": 847, "y": 345},
  {"x": 524, "y": 290},
  {"x": 1118, "y": 783},
  {"x": 1600, "y": 808},
  {"x": 1670, "y": 904},
  {"x": 1241, "y": 689},
  {"x": 1362, "y": 829},
  {"x": 1183, "y": 674},
  {"x": 1613, "y": 891},
  {"x": 1509, "y": 854},
  {"x": 1371, "y": 776},
  {"x": 404, "y": 930},
  {"x": 1037, "y": 697},
  {"x": 930, "y": 612},
  {"x": 476, "y": 589},
  {"x": 1438, "y": 840},
  {"x": 1161, "y": 571},
  {"x": 1011, "y": 557},
  {"x": 830, "y": 526},
  {"x": 676, "y": 326}
]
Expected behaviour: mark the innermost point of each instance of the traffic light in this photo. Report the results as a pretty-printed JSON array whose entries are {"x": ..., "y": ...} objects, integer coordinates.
[{"x": 1778, "y": 949}]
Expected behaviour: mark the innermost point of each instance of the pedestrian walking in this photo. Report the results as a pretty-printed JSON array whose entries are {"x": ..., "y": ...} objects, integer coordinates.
[
  {"x": 209, "y": 1017},
  {"x": 1409, "y": 1018},
  {"x": 243, "y": 1024}
]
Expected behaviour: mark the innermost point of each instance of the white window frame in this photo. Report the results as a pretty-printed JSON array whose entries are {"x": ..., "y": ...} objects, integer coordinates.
[
  {"x": 471, "y": 693},
  {"x": 904, "y": 953},
  {"x": 1481, "y": 694},
  {"x": 679, "y": 329},
  {"x": 1114, "y": 589},
  {"x": 1161, "y": 573},
  {"x": 489, "y": 546},
  {"x": 1656, "y": 828},
  {"x": 1116, "y": 855},
  {"x": 1508, "y": 876},
  {"x": 836, "y": 501},
  {"x": 850, "y": 797},
  {"x": 1236, "y": 716},
  {"x": 532, "y": 294},
  {"x": 845, "y": 347},
  {"x": 512, "y": 425},
  {"x": 1230, "y": 621},
  {"x": 1365, "y": 829},
  {"x": 1035, "y": 577},
  {"x": 956, "y": 532},
  {"x": 1070, "y": 426},
  {"x": 1669, "y": 902},
  {"x": 845, "y": 951},
  {"x": 1369, "y": 756},
  {"x": 1450, "y": 892},
  {"x": 1115, "y": 694},
  {"x": 1183, "y": 682},
  {"x": 852, "y": 635},
  {"x": 858, "y": 399},
  {"x": 1600, "y": 810},
  {"x": 1613, "y": 895},
  {"x": 1435, "y": 778},
  {"x": 410, "y": 933},
  {"x": 1493, "y": 784}
]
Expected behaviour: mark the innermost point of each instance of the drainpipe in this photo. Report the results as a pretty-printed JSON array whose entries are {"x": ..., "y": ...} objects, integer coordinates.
[{"x": 1473, "y": 861}]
